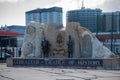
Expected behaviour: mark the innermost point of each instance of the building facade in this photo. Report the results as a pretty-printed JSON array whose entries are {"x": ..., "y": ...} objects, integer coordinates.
[
  {"x": 95, "y": 20},
  {"x": 109, "y": 21},
  {"x": 11, "y": 39},
  {"x": 16, "y": 28},
  {"x": 46, "y": 16},
  {"x": 86, "y": 17},
  {"x": 7, "y": 39}
]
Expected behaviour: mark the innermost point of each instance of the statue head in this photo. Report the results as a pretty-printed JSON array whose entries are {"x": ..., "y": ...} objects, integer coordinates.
[
  {"x": 69, "y": 36},
  {"x": 44, "y": 39}
]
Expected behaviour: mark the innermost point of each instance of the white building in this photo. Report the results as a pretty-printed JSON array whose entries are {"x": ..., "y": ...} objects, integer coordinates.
[
  {"x": 16, "y": 28},
  {"x": 11, "y": 41},
  {"x": 46, "y": 16}
]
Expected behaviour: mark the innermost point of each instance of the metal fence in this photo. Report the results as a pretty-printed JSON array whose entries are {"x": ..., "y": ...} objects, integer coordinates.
[{"x": 12, "y": 51}]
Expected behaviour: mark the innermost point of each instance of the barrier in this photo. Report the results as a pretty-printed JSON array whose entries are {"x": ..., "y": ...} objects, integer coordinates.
[{"x": 2, "y": 61}]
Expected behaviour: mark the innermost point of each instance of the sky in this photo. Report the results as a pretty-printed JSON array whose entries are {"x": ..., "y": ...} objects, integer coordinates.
[{"x": 12, "y": 12}]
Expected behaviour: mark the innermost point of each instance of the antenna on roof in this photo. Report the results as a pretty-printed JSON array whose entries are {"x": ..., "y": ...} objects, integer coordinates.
[{"x": 82, "y": 5}]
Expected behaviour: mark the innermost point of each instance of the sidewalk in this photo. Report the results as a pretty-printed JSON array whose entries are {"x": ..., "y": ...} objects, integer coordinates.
[{"x": 36, "y": 73}]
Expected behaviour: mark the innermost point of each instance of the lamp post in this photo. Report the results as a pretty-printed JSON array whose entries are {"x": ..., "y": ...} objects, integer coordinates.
[
  {"x": 1, "y": 45},
  {"x": 0, "y": 49}
]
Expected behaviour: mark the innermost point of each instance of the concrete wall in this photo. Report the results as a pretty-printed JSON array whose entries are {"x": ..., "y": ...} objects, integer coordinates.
[{"x": 111, "y": 63}]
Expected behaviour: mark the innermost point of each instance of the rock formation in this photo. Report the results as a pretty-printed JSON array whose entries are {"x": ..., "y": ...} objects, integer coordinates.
[
  {"x": 32, "y": 40},
  {"x": 86, "y": 45},
  {"x": 83, "y": 43}
]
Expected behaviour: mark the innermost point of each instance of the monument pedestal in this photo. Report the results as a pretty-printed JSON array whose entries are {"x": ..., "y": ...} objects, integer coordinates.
[{"x": 65, "y": 63}]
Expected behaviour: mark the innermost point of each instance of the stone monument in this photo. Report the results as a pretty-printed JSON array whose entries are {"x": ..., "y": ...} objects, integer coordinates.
[
  {"x": 86, "y": 45},
  {"x": 32, "y": 40},
  {"x": 73, "y": 41},
  {"x": 57, "y": 46},
  {"x": 55, "y": 34}
]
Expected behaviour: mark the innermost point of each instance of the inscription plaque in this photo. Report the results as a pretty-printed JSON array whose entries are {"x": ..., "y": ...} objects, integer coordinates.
[{"x": 59, "y": 62}]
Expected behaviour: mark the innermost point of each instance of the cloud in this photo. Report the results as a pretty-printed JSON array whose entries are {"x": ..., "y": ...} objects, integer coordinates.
[
  {"x": 110, "y": 5},
  {"x": 10, "y": 0},
  {"x": 12, "y": 12},
  {"x": 76, "y": 4},
  {"x": 29, "y": 1}
]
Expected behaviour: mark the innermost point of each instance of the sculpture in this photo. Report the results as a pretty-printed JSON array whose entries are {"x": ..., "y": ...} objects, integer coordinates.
[
  {"x": 32, "y": 39},
  {"x": 59, "y": 51},
  {"x": 86, "y": 45},
  {"x": 59, "y": 40},
  {"x": 55, "y": 41},
  {"x": 70, "y": 47},
  {"x": 45, "y": 47}
]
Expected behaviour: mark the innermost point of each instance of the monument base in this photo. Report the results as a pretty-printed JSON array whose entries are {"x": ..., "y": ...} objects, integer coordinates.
[
  {"x": 2, "y": 60},
  {"x": 113, "y": 63}
]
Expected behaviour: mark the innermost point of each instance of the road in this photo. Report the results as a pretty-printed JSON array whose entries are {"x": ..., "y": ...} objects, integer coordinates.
[{"x": 36, "y": 73}]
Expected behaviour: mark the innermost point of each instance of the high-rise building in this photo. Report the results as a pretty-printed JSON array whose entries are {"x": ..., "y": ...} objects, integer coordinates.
[
  {"x": 109, "y": 21},
  {"x": 101, "y": 23},
  {"x": 86, "y": 17},
  {"x": 46, "y": 15}
]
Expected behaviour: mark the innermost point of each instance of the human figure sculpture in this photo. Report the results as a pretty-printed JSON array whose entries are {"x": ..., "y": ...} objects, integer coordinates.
[
  {"x": 70, "y": 47},
  {"x": 19, "y": 52},
  {"x": 45, "y": 47},
  {"x": 59, "y": 40}
]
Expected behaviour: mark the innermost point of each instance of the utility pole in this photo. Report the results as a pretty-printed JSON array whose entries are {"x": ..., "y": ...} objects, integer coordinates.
[
  {"x": 97, "y": 25},
  {"x": 112, "y": 31},
  {"x": 1, "y": 48}
]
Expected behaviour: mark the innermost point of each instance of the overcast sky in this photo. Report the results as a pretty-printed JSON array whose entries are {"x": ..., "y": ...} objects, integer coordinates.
[{"x": 12, "y": 12}]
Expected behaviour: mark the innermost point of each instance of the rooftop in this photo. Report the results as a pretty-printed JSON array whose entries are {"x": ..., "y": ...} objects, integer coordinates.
[
  {"x": 87, "y": 9},
  {"x": 52, "y": 9}
]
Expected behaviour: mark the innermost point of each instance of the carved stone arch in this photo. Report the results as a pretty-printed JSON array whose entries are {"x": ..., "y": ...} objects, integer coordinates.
[
  {"x": 86, "y": 47},
  {"x": 30, "y": 30}
]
